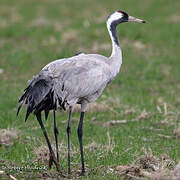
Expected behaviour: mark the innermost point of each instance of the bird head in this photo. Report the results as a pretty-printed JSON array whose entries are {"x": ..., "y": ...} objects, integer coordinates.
[{"x": 120, "y": 16}]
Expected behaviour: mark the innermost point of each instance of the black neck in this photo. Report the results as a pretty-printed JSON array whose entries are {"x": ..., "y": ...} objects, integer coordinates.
[{"x": 114, "y": 33}]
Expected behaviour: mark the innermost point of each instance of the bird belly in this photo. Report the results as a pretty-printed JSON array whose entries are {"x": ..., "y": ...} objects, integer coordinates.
[{"x": 92, "y": 97}]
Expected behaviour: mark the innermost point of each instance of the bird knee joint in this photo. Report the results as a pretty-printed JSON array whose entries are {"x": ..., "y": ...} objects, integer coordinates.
[
  {"x": 68, "y": 130},
  {"x": 56, "y": 131},
  {"x": 79, "y": 131}
]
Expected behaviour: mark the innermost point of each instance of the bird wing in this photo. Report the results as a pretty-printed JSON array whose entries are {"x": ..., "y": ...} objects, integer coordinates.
[
  {"x": 84, "y": 81},
  {"x": 78, "y": 76},
  {"x": 64, "y": 81},
  {"x": 55, "y": 68}
]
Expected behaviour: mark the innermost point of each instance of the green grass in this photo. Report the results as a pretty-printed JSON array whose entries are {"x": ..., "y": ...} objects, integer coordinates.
[{"x": 33, "y": 33}]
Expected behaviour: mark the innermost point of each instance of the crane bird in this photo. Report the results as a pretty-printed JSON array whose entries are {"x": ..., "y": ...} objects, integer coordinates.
[{"x": 75, "y": 80}]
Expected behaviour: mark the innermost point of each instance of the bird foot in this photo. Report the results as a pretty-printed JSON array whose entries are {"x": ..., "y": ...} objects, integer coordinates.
[
  {"x": 69, "y": 176},
  {"x": 52, "y": 159},
  {"x": 82, "y": 173}
]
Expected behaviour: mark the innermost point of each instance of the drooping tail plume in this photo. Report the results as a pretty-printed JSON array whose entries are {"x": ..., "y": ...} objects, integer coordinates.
[{"x": 37, "y": 96}]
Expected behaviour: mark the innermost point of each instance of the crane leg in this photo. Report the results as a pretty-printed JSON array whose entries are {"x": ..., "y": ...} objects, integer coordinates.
[
  {"x": 68, "y": 134},
  {"x": 51, "y": 152},
  {"x": 56, "y": 132},
  {"x": 80, "y": 134}
]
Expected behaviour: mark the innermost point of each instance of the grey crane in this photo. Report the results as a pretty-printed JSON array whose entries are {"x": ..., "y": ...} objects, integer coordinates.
[{"x": 76, "y": 80}]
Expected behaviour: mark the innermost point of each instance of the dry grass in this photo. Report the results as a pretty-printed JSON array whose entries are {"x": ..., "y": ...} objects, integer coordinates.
[
  {"x": 174, "y": 18},
  {"x": 114, "y": 122},
  {"x": 139, "y": 45},
  {"x": 39, "y": 21},
  {"x": 176, "y": 172},
  {"x": 1, "y": 71},
  {"x": 9, "y": 16},
  {"x": 142, "y": 116},
  {"x": 166, "y": 70},
  {"x": 94, "y": 107},
  {"x": 49, "y": 41},
  {"x": 148, "y": 167},
  {"x": 177, "y": 132},
  {"x": 108, "y": 147},
  {"x": 8, "y": 136},
  {"x": 69, "y": 36},
  {"x": 93, "y": 146},
  {"x": 110, "y": 144},
  {"x": 129, "y": 111},
  {"x": 164, "y": 136},
  {"x": 8, "y": 176},
  {"x": 42, "y": 152},
  {"x": 96, "y": 47}
]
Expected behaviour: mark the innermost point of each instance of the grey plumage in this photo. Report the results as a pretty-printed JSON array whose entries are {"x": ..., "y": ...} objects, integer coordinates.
[
  {"x": 79, "y": 79},
  {"x": 67, "y": 82}
]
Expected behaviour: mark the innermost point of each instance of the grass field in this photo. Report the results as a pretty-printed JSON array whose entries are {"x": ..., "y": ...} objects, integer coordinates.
[{"x": 145, "y": 95}]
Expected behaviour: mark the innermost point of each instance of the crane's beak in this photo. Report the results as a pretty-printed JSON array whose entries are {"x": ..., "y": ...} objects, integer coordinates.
[{"x": 133, "y": 19}]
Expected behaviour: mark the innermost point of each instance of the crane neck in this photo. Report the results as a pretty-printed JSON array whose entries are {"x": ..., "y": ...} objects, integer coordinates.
[{"x": 116, "y": 49}]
